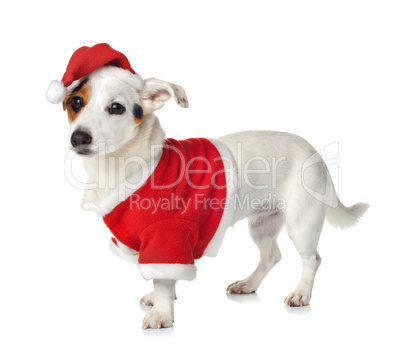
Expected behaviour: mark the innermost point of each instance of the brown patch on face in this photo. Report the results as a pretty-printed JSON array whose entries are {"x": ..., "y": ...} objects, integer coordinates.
[
  {"x": 138, "y": 113},
  {"x": 66, "y": 101},
  {"x": 81, "y": 93}
]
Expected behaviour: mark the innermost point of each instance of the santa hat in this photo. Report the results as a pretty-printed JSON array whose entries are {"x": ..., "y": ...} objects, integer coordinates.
[{"x": 86, "y": 60}]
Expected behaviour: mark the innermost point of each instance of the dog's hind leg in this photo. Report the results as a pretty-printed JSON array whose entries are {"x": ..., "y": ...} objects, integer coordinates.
[
  {"x": 264, "y": 230},
  {"x": 305, "y": 234}
]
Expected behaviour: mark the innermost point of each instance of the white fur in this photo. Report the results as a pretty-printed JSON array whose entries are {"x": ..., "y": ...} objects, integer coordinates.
[
  {"x": 280, "y": 181},
  {"x": 109, "y": 133},
  {"x": 344, "y": 217},
  {"x": 162, "y": 298},
  {"x": 123, "y": 252},
  {"x": 231, "y": 189}
]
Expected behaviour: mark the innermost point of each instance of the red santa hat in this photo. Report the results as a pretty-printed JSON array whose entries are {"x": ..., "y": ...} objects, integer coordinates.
[{"x": 86, "y": 60}]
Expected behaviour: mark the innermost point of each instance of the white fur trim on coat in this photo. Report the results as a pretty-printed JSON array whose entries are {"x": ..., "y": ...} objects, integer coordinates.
[{"x": 168, "y": 271}]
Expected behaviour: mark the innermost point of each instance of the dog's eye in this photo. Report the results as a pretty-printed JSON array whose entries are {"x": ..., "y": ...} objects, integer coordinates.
[
  {"x": 77, "y": 103},
  {"x": 116, "y": 109}
]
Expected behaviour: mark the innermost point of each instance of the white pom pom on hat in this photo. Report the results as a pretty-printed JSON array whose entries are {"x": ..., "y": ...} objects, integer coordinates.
[
  {"x": 85, "y": 60},
  {"x": 56, "y": 92}
]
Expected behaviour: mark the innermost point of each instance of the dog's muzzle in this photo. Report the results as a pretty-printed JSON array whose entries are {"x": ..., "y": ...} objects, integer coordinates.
[{"x": 81, "y": 141}]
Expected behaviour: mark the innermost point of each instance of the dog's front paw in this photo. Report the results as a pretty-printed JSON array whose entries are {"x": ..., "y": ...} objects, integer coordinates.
[
  {"x": 298, "y": 298},
  {"x": 157, "y": 318},
  {"x": 148, "y": 299}
]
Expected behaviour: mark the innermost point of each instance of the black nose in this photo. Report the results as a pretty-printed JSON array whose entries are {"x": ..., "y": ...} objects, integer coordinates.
[{"x": 79, "y": 138}]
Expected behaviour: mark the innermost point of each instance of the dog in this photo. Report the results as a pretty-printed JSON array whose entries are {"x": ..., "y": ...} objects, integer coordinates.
[{"x": 274, "y": 179}]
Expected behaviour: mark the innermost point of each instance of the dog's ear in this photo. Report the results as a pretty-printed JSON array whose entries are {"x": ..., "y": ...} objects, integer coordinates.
[{"x": 156, "y": 92}]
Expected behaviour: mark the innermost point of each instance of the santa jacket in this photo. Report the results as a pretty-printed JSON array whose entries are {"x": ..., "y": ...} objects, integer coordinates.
[{"x": 181, "y": 212}]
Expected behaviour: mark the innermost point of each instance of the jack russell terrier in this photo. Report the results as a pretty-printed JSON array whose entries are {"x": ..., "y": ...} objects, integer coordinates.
[{"x": 169, "y": 202}]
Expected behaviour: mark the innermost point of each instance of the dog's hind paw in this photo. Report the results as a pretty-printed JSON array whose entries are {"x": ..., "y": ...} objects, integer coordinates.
[
  {"x": 298, "y": 298},
  {"x": 241, "y": 287}
]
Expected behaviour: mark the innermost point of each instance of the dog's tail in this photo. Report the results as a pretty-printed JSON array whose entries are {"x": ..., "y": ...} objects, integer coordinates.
[{"x": 344, "y": 217}]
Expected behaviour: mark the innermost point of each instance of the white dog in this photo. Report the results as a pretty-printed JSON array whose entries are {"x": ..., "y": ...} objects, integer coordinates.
[{"x": 273, "y": 179}]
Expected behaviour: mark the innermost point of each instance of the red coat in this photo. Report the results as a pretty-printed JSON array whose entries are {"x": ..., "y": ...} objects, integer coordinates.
[{"x": 173, "y": 217}]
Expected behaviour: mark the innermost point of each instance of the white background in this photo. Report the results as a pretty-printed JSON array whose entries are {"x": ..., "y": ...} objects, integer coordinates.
[{"x": 330, "y": 71}]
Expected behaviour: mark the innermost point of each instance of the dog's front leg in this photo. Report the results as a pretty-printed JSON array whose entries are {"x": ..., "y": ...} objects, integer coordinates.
[{"x": 162, "y": 313}]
